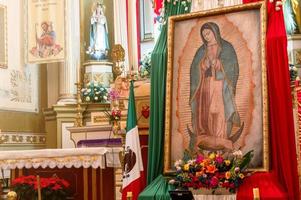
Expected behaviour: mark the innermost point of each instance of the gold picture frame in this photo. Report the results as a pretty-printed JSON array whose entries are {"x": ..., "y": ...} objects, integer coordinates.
[
  {"x": 183, "y": 35},
  {"x": 3, "y": 36}
]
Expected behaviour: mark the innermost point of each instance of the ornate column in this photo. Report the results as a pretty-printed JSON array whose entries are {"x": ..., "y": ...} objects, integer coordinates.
[
  {"x": 68, "y": 69},
  {"x": 120, "y": 27}
]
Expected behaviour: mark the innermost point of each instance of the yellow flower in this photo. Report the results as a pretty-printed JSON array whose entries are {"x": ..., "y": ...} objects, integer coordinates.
[
  {"x": 186, "y": 167},
  {"x": 228, "y": 175},
  {"x": 241, "y": 176},
  {"x": 212, "y": 156},
  {"x": 227, "y": 162}
]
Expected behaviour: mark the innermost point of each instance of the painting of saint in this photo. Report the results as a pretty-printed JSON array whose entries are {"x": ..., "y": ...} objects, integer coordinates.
[
  {"x": 213, "y": 78},
  {"x": 216, "y": 92},
  {"x": 46, "y": 43}
]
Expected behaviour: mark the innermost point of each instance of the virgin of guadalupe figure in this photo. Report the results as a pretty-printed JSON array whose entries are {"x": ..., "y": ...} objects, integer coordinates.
[
  {"x": 213, "y": 77},
  {"x": 99, "y": 42}
]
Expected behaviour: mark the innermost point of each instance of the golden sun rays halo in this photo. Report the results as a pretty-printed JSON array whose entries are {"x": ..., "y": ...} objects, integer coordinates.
[{"x": 96, "y": 3}]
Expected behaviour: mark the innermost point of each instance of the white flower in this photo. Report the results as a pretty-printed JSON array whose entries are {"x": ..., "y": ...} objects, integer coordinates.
[
  {"x": 178, "y": 163},
  {"x": 178, "y": 168},
  {"x": 89, "y": 90},
  {"x": 95, "y": 84},
  {"x": 83, "y": 90},
  {"x": 237, "y": 169},
  {"x": 88, "y": 84},
  {"x": 96, "y": 98},
  {"x": 172, "y": 181},
  {"x": 190, "y": 162},
  {"x": 87, "y": 98},
  {"x": 101, "y": 89},
  {"x": 186, "y": 8},
  {"x": 105, "y": 98},
  {"x": 237, "y": 153}
]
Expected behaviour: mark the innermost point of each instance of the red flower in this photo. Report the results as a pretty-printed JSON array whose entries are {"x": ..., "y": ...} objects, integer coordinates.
[
  {"x": 214, "y": 181},
  {"x": 57, "y": 187}
]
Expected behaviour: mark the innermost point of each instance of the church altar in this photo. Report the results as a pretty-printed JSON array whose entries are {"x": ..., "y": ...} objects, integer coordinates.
[{"x": 86, "y": 169}]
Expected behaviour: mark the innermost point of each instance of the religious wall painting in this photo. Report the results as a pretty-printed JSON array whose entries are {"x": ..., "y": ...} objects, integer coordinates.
[
  {"x": 21, "y": 87},
  {"x": 45, "y": 44},
  {"x": 297, "y": 55},
  {"x": 3, "y": 36},
  {"x": 216, "y": 97},
  {"x": 45, "y": 31}
]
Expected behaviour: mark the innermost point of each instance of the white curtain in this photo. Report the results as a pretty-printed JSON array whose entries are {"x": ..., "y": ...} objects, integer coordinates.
[
  {"x": 120, "y": 28},
  {"x": 198, "y": 5}
]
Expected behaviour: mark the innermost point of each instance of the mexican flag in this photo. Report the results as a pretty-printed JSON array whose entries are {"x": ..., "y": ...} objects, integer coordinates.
[{"x": 133, "y": 176}]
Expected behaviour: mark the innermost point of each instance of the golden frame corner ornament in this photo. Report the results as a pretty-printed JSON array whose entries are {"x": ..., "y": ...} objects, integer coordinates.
[
  {"x": 259, "y": 6},
  {"x": 3, "y": 63}
]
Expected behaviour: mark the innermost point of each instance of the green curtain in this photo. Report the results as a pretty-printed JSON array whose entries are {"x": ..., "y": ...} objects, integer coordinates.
[{"x": 159, "y": 186}]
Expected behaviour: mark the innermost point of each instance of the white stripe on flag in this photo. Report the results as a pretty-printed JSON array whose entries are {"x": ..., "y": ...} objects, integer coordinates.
[{"x": 132, "y": 142}]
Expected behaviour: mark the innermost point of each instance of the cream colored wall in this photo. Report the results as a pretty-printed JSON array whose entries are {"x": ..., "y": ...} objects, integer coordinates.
[{"x": 12, "y": 120}]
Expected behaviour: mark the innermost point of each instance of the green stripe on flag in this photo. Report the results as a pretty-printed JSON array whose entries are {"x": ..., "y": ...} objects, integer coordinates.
[{"x": 131, "y": 121}]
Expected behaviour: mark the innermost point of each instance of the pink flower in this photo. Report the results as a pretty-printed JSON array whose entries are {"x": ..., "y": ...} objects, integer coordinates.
[
  {"x": 219, "y": 159},
  {"x": 199, "y": 159},
  {"x": 214, "y": 181}
]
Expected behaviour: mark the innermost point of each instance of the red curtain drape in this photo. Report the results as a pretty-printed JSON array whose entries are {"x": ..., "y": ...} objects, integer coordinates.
[
  {"x": 282, "y": 181},
  {"x": 157, "y": 6}
]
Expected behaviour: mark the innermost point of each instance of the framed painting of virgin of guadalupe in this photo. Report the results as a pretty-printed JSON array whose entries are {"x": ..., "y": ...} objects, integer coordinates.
[{"x": 216, "y": 91}]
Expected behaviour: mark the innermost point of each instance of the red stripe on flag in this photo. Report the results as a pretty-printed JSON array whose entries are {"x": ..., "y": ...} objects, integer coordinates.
[{"x": 135, "y": 187}]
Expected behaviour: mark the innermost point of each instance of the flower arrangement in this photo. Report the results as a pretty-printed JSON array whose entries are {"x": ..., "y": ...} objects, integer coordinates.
[
  {"x": 115, "y": 115},
  {"x": 94, "y": 93},
  {"x": 114, "y": 95},
  {"x": 145, "y": 66},
  {"x": 52, "y": 188},
  {"x": 212, "y": 172}
]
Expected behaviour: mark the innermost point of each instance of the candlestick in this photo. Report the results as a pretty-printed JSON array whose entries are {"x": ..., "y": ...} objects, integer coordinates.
[
  {"x": 39, "y": 188},
  {"x": 256, "y": 195},
  {"x": 78, "y": 72}
]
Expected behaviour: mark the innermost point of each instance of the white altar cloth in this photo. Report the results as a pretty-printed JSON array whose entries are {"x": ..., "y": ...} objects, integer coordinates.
[{"x": 76, "y": 157}]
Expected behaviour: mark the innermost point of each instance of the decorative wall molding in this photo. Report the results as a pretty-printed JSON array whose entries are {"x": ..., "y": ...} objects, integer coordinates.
[{"x": 22, "y": 138}]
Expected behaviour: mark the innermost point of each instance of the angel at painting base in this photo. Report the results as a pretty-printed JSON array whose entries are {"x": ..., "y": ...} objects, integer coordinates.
[
  {"x": 213, "y": 77},
  {"x": 46, "y": 44}
]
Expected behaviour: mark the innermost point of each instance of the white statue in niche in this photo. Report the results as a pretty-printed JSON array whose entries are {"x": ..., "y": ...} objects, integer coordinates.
[{"x": 99, "y": 42}]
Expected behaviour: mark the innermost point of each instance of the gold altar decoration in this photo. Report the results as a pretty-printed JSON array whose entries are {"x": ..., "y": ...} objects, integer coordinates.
[
  {"x": 118, "y": 55},
  {"x": 12, "y": 195},
  {"x": 79, "y": 116}
]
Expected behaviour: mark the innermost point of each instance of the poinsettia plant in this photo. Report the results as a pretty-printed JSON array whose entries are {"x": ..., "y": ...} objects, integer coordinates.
[
  {"x": 52, "y": 188},
  {"x": 212, "y": 171}
]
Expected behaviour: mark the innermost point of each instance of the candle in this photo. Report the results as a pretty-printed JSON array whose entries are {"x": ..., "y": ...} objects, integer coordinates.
[{"x": 256, "y": 195}]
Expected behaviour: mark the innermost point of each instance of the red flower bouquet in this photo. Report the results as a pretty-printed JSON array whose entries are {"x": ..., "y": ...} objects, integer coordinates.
[
  {"x": 212, "y": 171},
  {"x": 52, "y": 188}
]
